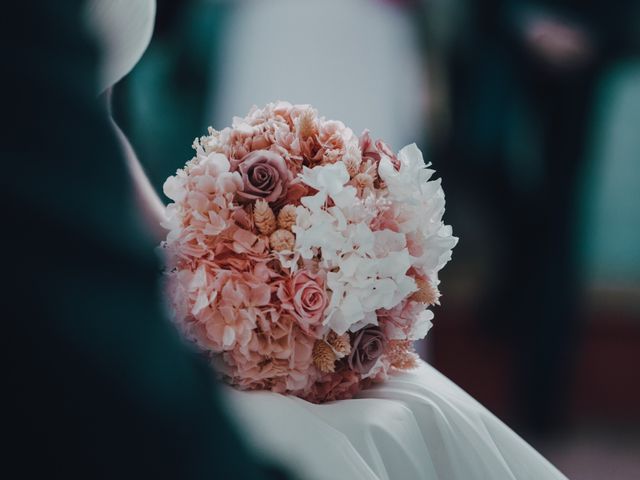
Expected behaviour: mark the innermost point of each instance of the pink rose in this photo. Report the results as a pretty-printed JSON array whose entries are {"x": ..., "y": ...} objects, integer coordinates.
[
  {"x": 306, "y": 297},
  {"x": 264, "y": 175},
  {"x": 368, "y": 346}
]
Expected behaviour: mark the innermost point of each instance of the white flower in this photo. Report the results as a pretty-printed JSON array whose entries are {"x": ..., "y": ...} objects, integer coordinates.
[
  {"x": 407, "y": 183},
  {"x": 367, "y": 270},
  {"x": 362, "y": 284},
  {"x": 322, "y": 233},
  {"x": 327, "y": 178},
  {"x": 421, "y": 326},
  {"x": 387, "y": 241},
  {"x": 288, "y": 259}
]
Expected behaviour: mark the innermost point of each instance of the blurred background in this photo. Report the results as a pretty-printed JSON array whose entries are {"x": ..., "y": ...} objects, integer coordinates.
[{"x": 530, "y": 112}]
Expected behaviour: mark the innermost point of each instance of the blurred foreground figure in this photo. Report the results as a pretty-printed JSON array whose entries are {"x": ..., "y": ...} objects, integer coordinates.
[
  {"x": 100, "y": 385},
  {"x": 523, "y": 79}
]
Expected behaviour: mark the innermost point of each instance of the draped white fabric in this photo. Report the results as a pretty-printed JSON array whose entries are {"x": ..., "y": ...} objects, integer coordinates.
[{"x": 418, "y": 425}]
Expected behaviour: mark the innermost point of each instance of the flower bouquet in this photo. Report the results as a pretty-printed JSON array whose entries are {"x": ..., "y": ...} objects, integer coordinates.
[{"x": 303, "y": 259}]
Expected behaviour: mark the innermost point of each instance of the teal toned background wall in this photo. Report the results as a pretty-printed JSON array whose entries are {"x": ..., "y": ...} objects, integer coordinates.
[{"x": 612, "y": 187}]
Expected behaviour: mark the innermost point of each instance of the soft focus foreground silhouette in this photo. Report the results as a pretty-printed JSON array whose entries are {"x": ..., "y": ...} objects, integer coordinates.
[{"x": 100, "y": 385}]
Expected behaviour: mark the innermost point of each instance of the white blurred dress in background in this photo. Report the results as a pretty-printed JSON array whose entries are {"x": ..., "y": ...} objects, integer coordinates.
[{"x": 354, "y": 60}]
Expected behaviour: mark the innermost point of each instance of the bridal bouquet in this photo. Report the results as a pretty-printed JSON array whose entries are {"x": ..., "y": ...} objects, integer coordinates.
[{"x": 301, "y": 258}]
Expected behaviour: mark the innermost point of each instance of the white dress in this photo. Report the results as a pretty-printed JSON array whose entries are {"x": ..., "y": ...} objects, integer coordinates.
[{"x": 417, "y": 425}]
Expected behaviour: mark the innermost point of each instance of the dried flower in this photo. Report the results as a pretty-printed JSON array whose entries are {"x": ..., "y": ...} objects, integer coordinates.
[
  {"x": 287, "y": 217},
  {"x": 426, "y": 293},
  {"x": 352, "y": 162},
  {"x": 307, "y": 124},
  {"x": 370, "y": 168},
  {"x": 406, "y": 362},
  {"x": 323, "y": 357},
  {"x": 340, "y": 343},
  {"x": 263, "y": 218},
  {"x": 363, "y": 182},
  {"x": 281, "y": 240},
  {"x": 401, "y": 354}
]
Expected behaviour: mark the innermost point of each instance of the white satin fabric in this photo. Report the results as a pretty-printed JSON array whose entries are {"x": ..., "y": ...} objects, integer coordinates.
[{"x": 417, "y": 425}]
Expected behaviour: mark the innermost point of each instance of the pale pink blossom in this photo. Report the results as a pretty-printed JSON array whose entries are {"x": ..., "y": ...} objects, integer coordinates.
[
  {"x": 277, "y": 356},
  {"x": 368, "y": 147},
  {"x": 334, "y": 139},
  {"x": 374, "y": 151}
]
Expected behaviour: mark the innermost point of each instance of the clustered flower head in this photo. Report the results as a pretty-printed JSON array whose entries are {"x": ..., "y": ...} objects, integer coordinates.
[{"x": 303, "y": 259}]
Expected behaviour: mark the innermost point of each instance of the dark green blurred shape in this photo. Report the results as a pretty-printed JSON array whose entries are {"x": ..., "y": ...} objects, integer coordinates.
[
  {"x": 521, "y": 132},
  {"x": 99, "y": 383}
]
